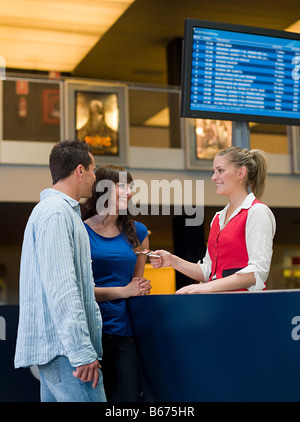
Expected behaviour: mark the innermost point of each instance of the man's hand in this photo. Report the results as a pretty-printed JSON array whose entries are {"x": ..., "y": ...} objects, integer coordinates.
[{"x": 88, "y": 372}]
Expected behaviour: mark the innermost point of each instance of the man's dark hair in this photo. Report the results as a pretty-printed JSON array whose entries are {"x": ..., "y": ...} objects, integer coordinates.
[{"x": 66, "y": 156}]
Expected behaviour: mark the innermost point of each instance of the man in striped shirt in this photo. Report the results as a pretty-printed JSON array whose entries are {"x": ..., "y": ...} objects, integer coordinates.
[{"x": 60, "y": 323}]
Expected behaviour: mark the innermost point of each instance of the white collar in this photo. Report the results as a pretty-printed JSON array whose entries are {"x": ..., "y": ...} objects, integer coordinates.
[{"x": 246, "y": 205}]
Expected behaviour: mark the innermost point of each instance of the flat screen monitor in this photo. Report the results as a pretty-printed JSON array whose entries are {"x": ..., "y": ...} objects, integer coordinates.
[{"x": 240, "y": 73}]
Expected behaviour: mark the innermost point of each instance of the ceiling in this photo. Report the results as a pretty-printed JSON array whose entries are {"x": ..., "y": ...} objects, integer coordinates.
[
  {"x": 134, "y": 48},
  {"x": 123, "y": 40}
]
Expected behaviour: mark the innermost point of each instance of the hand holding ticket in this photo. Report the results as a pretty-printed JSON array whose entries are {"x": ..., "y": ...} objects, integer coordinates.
[
  {"x": 142, "y": 251},
  {"x": 158, "y": 259}
]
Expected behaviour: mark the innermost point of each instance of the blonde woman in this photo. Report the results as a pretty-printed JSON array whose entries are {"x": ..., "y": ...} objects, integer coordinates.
[{"x": 240, "y": 243}]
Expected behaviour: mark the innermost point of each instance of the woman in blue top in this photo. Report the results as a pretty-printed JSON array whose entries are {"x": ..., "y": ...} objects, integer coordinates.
[{"x": 118, "y": 274}]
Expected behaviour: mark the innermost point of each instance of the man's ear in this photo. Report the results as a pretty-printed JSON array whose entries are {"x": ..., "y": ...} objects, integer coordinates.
[{"x": 78, "y": 170}]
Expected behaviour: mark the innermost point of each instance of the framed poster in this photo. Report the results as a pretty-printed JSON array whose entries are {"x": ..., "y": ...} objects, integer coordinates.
[
  {"x": 204, "y": 138},
  {"x": 97, "y": 114},
  {"x": 31, "y": 119},
  {"x": 32, "y": 110}
]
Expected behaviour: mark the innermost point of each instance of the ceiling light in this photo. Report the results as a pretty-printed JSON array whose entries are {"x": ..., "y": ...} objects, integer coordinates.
[
  {"x": 160, "y": 119},
  {"x": 295, "y": 27},
  {"x": 54, "y": 34}
]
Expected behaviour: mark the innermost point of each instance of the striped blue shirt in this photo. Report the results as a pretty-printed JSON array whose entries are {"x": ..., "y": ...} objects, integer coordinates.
[{"x": 58, "y": 311}]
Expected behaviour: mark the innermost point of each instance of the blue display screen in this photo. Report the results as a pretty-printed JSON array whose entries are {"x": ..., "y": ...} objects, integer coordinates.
[{"x": 244, "y": 74}]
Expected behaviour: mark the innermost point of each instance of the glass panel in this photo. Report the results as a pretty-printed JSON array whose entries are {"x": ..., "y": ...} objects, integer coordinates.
[
  {"x": 154, "y": 117},
  {"x": 270, "y": 138},
  {"x": 31, "y": 111}
]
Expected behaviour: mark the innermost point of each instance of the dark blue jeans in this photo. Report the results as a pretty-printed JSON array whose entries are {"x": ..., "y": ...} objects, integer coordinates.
[{"x": 120, "y": 369}]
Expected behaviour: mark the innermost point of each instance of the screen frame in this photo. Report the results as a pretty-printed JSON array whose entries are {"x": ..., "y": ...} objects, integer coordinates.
[
  {"x": 187, "y": 67},
  {"x": 293, "y": 133}
]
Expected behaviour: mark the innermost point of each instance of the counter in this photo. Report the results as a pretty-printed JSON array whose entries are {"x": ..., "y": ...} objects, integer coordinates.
[{"x": 219, "y": 347}]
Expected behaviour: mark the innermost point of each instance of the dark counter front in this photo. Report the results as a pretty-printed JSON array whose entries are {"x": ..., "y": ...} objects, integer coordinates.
[
  {"x": 16, "y": 385},
  {"x": 219, "y": 347}
]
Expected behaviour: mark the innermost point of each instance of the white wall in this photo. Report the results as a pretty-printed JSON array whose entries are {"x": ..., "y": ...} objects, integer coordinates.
[{"x": 23, "y": 183}]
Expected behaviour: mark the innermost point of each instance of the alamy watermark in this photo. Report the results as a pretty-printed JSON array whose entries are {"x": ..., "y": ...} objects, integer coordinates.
[
  {"x": 153, "y": 198},
  {"x": 296, "y": 69},
  {"x": 296, "y": 330},
  {"x": 2, "y": 328}
]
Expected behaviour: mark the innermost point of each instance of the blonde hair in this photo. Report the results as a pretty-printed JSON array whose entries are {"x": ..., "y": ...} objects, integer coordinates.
[{"x": 256, "y": 163}]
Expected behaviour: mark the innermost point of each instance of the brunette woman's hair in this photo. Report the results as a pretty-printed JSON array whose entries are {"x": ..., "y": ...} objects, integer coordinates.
[
  {"x": 125, "y": 222},
  {"x": 256, "y": 164}
]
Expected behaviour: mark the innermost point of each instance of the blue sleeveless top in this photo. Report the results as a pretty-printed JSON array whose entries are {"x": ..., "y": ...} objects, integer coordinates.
[{"x": 113, "y": 263}]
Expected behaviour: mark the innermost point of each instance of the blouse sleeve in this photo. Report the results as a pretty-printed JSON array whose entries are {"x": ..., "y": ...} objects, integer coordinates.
[
  {"x": 205, "y": 266},
  {"x": 260, "y": 231},
  {"x": 141, "y": 231}
]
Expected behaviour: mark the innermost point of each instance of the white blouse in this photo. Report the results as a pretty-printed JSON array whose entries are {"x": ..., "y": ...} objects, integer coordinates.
[{"x": 260, "y": 231}]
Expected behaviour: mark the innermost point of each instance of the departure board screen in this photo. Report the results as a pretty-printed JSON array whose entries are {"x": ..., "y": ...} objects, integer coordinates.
[{"x": 240, "y": 73}]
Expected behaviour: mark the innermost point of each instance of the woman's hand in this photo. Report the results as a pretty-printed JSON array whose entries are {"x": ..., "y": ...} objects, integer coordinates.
[
  {"x": 163, "y": 259},
  {"x": 137, "y": 287},
  {"x": 232, "y": 282},
  {"x": 194, "y": 289}
]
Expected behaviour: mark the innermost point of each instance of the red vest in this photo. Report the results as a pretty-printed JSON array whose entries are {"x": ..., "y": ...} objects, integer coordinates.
[{"x": 227, "y": 247}]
